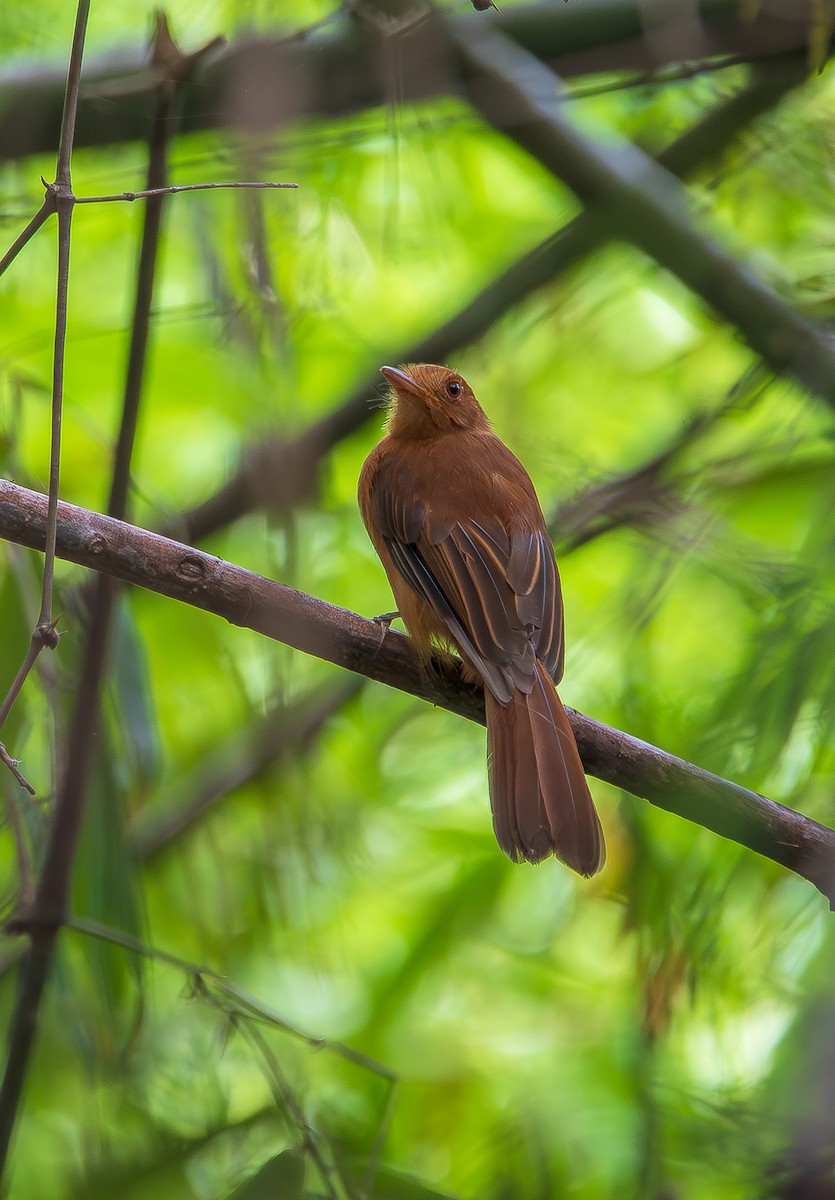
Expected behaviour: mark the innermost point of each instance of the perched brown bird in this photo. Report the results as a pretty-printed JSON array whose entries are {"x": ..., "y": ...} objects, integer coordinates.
[{"x": 455, "y": 520}]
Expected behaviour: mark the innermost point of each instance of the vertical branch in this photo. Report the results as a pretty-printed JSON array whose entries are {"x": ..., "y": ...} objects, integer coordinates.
[
  {"x": 49, "y": 910},
  {"x": 62, "y": 173},
  {"x": 45, "y": 633},
  {"x": 60, "y": 199},
  {"x": 56, "y": 876},
  {"x": 46, "y": 210},
  {"x": 51, "y": 901},
  {"x": 43, "y": 919},
  {"x": 36, "y": 964},
  {"x": 161, "y": 132},
  {"x": 64, "y": 201}
]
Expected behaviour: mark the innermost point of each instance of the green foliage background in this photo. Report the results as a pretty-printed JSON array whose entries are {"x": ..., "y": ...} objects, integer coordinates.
[{"x": 657, "y": 1031}]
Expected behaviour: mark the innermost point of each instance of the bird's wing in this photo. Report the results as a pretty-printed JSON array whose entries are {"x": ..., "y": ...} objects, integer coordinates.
[{"x": 497, "y": 592}]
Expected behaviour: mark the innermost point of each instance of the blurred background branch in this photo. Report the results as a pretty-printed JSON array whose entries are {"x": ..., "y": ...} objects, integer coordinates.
[
  {"x": 279, "y": 473},
  {"x": 339, "y": 71}
]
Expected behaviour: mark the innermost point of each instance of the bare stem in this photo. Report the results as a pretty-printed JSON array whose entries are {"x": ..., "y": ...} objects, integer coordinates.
[
  {"x": 65, "y": 205},
  {"x": 228, "y": 995},
  {"x": 62, "y": 173},
  {"x": 181, "y": 187},
  {"x": 45, "y": 210},
  {"x": 285, "y": 1099},
  {"x": 14, "y": 767},
  {"x": 29, "y": 661},
  {"x": 38, "y": 958},
  {"x": 45, "y": 632},
  {"x": 25, "y": 868},
  {"x": 140, "y": 324}
]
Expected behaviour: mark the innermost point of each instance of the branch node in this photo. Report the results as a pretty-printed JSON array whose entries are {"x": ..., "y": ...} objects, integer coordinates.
[
  {"x": 59, "y": 193},
  {"x": 14, "y": 766},
  {"x": 29, "y": 922},
  {"x": 191, "y": 568},
  {"x": 47, "y": 633}
]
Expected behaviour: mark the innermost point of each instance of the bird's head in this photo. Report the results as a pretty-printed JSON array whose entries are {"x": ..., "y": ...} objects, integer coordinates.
[{"x": 428, "y": 400}]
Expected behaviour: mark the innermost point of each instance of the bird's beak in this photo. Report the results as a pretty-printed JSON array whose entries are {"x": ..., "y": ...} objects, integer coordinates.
[{"x": 401, "y": 381}]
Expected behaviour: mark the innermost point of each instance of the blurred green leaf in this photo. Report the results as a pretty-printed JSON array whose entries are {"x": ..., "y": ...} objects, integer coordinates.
[
  {"x": 134, "y": 698},
  {"x": 107, "y": 890},
  {"x": 15, "y": 641},
  {"x": 395, "y": 1185},
  {"x": 279, "y": 1177}
]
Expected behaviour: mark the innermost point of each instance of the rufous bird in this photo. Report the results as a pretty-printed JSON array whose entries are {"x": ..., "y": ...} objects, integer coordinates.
[{"x": 457, "y": 524}]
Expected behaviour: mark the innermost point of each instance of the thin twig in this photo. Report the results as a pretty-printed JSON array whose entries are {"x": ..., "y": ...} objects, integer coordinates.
[
  {"x": 59, "y": 199},
  {"x": 658, "y": 76},
  {"x": 341, "y": 637},
  {"x": 37, "y": 961},
  {"x": 234, "y": 999},
  {"x": 45, "y": 634},
  {"x": 25, "y": 868},
  {"x": 285, "y": 1099},
  {"x": 648, "y": 492},
  {"x": 175, "y": 189},
  {"x": 46, "y": 210},
  {"x": 223, "y": 771},
  {"x": 48, "y": 911},
  {"x": 14, "y": 767},
  {"x": 23, "y": 670},
  {"x": 375, "y": 1156},
  {"x": 67, "y": 137},
  {"x": 515, "y": 93},
  {"x": 161, "y": 132},
  {"x": 64, "y": 202}
]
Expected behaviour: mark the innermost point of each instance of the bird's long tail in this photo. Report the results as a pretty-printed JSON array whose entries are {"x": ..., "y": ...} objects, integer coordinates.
[{"x": 538, "y": 791}]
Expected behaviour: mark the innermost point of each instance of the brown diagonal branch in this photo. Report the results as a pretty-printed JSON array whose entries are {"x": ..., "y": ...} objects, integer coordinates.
[
  {"x": 25, "y": 236},
  {"x": 645, "y": 206},
  {"x": 184, "y": 573}
]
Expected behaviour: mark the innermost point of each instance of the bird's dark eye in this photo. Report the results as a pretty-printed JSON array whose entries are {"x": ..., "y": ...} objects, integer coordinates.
[{"x": 453, "y": 388}]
